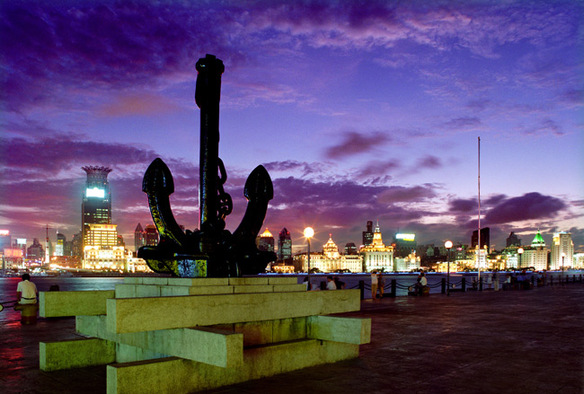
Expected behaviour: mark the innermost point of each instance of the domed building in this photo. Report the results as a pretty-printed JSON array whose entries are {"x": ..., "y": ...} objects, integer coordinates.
[
  {"x": 330, "y": 260},
  {"x": 377, "y": 256},
  {"x": 536, "y": 255}
]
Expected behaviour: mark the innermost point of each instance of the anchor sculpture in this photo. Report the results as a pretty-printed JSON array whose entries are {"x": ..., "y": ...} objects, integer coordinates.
[{"x": 211, "y": 251}]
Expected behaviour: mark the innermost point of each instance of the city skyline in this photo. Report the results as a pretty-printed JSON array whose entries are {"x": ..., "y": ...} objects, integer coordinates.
[{"x": 358, "y": 112}]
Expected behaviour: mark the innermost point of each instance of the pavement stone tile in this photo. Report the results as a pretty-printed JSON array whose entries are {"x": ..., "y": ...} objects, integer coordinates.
[{"x": 479, "y": 342}]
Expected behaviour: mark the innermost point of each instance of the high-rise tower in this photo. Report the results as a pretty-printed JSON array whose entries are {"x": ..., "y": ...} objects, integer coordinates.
[
  {"x": 285, "y": 246},
  {"x": 513, "y": 239},
  {"x": 562, "y": 251},
  {"x": 368, "y": 234},
  {"x": 139, "y": 237},
  {"x": 96, "y": 207},
  {"x": 265, "y": 241}
]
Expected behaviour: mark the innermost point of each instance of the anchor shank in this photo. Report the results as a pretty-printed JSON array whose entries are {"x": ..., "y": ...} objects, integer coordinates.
[{"x": 207, "y": 95}]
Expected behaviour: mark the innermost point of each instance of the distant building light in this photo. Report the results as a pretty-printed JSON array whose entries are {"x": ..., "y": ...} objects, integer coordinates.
[
  {"x": 4, "y": 232},
  {"x": 406, "y": 237},
  {"x": 95, "y": 192}
]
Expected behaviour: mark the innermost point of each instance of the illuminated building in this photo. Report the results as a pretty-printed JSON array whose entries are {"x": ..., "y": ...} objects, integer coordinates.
[
  {"x": 21, "y": 244},
  {"x": 113, "y": 258},
  {"x": 77, "y": 245},
  {"x": 377, "y": 256},
  {"x": 578, "y": 260},
  {"x": 404, "y": 244},
  {"x": 513, "y": 240},
  {"x": 5, "y": 239},
  {"x": 102, "y": 235},
  {"x": 285, "y": 247},
  {"x": 562, "y": 251},
  {"x": 139, "y": 237},
  {"x": 265, "y": 242},
  {"x": 135, "y": 264},
  {"x": 412, "y": 262},
  {"x": 330, "y": 260},
  {"x": 535, "y": 255},
  {"x": 368, "y": 234},
  {"x": 96, "y": 207},
  {"x": 485, "y": 238},
  {"x": 60, "y": 246},
  {"x": 151, "y": 235},
  {"x": 351, "y": 248},
  {"x": 102, "y": 246},
  {"x": 12, "y": 258},
  {"x": 36, "y": 250},
  {"x": 511, "y": 256}
]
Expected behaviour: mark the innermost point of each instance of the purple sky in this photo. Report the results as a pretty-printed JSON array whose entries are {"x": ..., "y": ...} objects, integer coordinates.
[{"x": 359, "y": 111}]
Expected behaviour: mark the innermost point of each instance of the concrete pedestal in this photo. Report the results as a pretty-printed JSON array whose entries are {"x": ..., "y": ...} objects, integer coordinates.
[
  {"x": 180, "y": 335},
  {"x": 28, "y": 313}
]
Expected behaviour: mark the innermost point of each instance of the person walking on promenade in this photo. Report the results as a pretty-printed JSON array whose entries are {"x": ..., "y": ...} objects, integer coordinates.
[
  {"x": 373, "y": 285},
  {"x": 26, "y": 296},
  {"x": 496, "y": 281}
]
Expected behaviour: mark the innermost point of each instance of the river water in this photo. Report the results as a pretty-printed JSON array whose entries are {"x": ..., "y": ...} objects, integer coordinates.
[{"x": 8, "y": 285}]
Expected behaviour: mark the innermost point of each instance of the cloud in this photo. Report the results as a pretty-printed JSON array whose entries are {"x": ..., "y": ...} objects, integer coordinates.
[
  {"x": 295, "y": 191},
  {"x": 429, "y": 161},
  {"x": 544, "y": 127},
  {"x": 465, "y": 123},
  {"x": 398, "y": 194},
  {"x": 461, "y": 205},
  {"x": 529, "y": 206},
  {"x": 573, "y": 97},
  {"x": 53, "y": 154},
  {"x": 143, "y": 104},
  {"x": 288, "y": 166},
  {"x": 479, "y": 104},
  {"x": 56, "y": 46},
  {"x": 378, "y": 171},
  {"x": 354, "y": 143}
]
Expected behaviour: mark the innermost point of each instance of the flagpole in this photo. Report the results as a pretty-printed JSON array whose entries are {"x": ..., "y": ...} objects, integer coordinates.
[{"x": 479, "y": 221}]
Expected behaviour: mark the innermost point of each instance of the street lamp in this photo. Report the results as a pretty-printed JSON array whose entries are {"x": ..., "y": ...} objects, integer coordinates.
[
  {"x": 519, "y": 253},
  {"x": 308, "y": 233},
  {"x": 563, "y": 256},
  {"x": 448, "y": 246}
]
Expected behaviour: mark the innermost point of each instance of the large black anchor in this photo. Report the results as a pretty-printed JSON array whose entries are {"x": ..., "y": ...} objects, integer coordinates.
[{"x": 211, "y": 251}]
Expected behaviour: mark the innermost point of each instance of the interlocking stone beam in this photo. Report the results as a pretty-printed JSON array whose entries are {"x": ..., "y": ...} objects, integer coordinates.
[
  {"x": 149, "y": 314},
  {"x": 77, "y": 353},
  {"x": 73, "y": 303},
  {"x": 177, "y": 376},
  {"x": 129, "y": 290},
  {"x": 339, "y": 329},
  {"x": 206, "y": 345}
]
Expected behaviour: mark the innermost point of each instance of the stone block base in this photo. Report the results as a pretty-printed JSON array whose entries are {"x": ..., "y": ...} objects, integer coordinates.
[
  {"x": 176, "y": 375},
  {"x": 179, "y": 335}
]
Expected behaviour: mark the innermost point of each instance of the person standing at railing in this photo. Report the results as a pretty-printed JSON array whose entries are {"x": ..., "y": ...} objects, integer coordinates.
[
  {"x": 421, "y": 283},
  {"x": 380, "y": 284},
  {"x": 373, "y": 285},
  {"x": 330, "y": 283}
]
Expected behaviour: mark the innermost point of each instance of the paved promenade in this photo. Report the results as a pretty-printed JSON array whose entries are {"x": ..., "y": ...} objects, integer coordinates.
[{"x": 487, "y": 342}]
